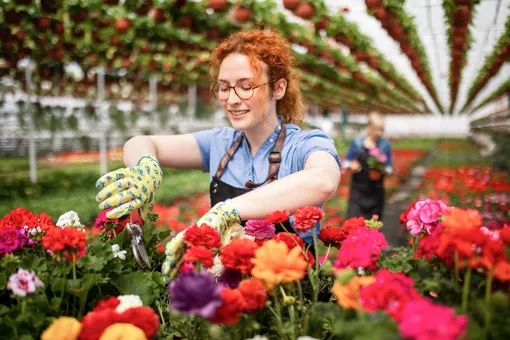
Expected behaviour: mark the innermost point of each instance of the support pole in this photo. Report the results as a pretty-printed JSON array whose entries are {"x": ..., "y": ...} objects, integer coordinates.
[
  {"x": 192, "y": 101},
  {"x": 102, "y": 121},
  {"x": 31, "y": 128}
]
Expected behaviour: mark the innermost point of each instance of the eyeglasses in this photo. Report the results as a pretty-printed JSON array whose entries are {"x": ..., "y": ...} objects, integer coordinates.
[{"x": 242, "y": 90}]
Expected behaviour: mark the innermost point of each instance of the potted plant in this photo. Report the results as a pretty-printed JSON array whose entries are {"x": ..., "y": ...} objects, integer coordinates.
[{"x": 376, "y": 163}]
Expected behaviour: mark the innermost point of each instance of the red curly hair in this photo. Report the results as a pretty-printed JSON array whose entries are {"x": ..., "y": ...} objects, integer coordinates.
[{"x": 271, "y": 48}]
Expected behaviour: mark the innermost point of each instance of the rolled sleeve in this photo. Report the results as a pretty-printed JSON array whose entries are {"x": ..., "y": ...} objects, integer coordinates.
[
  {"x": 204, "y": 139},
  {"x": 313, "y": 141}
]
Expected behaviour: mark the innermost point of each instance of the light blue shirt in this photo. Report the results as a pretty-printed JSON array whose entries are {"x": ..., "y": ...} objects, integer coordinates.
[{"x": 242, "y": 167}]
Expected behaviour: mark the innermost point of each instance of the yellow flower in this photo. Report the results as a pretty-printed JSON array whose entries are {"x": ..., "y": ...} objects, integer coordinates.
[
  {"x": 274, "y": 263},
  {"x": 123, "y": 331},
  {"x": 348, "y": 295},
  {"x": 64, "y": 328}
]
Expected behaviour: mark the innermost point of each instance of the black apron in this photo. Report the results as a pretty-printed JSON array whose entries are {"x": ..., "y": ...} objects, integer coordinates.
[
  {"x": 220, "y": 191},
  {"x": 366, "y": 196}
]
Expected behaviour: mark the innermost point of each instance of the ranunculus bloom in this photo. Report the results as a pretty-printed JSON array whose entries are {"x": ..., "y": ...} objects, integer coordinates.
[
  {"x": 278, "y": 216},
  {"x": 238, "y": 255},
  {"x": 199, "y": 254},
  {"x": 23, "y": 282},
  {"x": 348, "y": 295},
  {"x": 424, "y": 320},
  {"x": 292, "y": 240},
  {"x": 254, "y": 294},
  {"x": 64, "y": 328},
  {"x": 504, "y": 234},
  {"x": 231, "y": 308},
  {"x": 195, "y": 294},
  {"x": 123, "y": 331},
  {"x": 460, "y": 218},
  {"x": 203, "y": 235},
  {"x": 230, "y": 278},
  {"x": 306, "y": 217},
  {"x": 260, "y": 229},
  {"x": 334, "y": 237},
  {"x": 425, "y": 216},
  {"x": 12, "y": 239},
  {"x": 502, "y": 271},
  {"x": 275, "y": 263}
]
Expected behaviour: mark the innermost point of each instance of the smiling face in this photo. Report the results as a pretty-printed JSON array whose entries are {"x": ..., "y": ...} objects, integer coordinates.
[{"x": 245, "y": 114}]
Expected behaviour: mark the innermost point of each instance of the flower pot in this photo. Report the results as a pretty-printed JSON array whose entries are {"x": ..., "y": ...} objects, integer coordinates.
[
  {"x": 218, "y": 5},
  {"x": 58, "y": 28},
  {"x": 242, "y": 14},
  {"x": 374, "y": 175},
  {"x": 158, "y": 15},
  {"x": 322, "y": 24},
  {"x": 381, "y": 14},
  {"x": 462, "y": 16},
  {"x": 343, "y": 40},
  {"x": 462, "y": 2},
  {"x": 305, "y": 11},
  {"x": 122, "y": 25},
  {"x": 373, "y": 3},
  {"x": 291, "y": 4},
  {"x": 372, "y": 61},
  {"x": 43, "y": 23}
]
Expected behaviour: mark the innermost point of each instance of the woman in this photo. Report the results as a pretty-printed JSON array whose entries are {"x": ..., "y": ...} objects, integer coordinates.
[
  {"x": 367, "y": 194},
  {"x": 257, "y": 86}
]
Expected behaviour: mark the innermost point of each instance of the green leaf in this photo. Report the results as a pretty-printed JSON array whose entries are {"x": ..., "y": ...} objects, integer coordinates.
[
  {"x": 4, "y": 309},
  {"x": 73, "y": 284},
  {"x": 92, "y": 263},
  {"x": 58, "y": 284},
  {"x": 26, "y": 337},
  {"x": 138, "y": 283},
  {"x": 34, "y": 262},
  {"x": 3, "y": 281}
]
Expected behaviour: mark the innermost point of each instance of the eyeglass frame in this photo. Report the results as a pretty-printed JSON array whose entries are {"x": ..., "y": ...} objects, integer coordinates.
[{"x": 234, "y": 87}]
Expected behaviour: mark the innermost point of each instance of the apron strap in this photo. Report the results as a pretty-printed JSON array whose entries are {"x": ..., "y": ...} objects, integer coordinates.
[
  {"x": 275, "y": 158},
  {"x": 226, "y": 157}
]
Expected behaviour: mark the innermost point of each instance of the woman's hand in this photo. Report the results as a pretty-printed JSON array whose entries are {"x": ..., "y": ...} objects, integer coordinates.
[
  {"x": 128, "y": 189},
  {"x": 355, "y": 166},
  {"x": 220, "y": 218}
]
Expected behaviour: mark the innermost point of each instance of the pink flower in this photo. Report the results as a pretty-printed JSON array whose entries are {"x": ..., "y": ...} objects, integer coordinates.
[
  {"x": 361, "y": 249},
  {"x": 382, "y": 158},
  {"x": 424, "y": 320},
  {"x": 24, "y": 282},
  {"x": 12, "y": 239},
  {"x": 187, "y": 267},
  {"x": 425, "y": 215},
  {"x": 374, "y": 152},
  {"x": 260, "y": 229}
]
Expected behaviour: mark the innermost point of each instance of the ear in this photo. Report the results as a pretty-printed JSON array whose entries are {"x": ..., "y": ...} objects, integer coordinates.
[{"x": 280, "y": 88}]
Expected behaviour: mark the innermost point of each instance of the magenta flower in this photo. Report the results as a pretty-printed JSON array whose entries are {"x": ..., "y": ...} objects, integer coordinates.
[
  {"x": 260, "y": 229},
  {"x": 23, "y": 282},
  {"x": 12, "y": 239},
  {"x": 374, "y": 152},
  {"x": 424, "y": 320},
  {"x": 425, "y": 215}
]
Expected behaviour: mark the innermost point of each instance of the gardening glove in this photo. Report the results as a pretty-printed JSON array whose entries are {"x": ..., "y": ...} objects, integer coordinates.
[
  {"x": 128, "y": 189},
  {"x": 220, "y": 217}
]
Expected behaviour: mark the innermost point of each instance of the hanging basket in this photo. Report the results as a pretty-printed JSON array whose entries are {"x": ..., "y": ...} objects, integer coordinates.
[{"x": 374, "y": 175}]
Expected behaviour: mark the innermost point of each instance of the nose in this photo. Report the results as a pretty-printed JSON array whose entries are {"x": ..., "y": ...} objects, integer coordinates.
[{"x": 233, "y": 98}]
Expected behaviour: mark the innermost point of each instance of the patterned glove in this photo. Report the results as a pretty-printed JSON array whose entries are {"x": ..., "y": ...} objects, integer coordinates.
[
  {"x": 128, "y": 189},
  {"x": 220, "y": 217}
]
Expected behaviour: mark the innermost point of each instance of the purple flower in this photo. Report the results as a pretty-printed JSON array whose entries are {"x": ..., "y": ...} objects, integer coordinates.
[
  {"x": 12, "y": 239},
  {"x": 195, "y": 294},
  {"x": 260, "y": 229},
  {"x": 231, "y": 278}
]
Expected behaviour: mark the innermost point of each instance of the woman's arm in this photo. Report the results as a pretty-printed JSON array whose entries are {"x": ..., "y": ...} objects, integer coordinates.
[
  {"x": 178, "y": 151},
  {"x": 351, "y": 157},
  {"x": 389, "y": 160},
  {"x": 313, "y": 185}
]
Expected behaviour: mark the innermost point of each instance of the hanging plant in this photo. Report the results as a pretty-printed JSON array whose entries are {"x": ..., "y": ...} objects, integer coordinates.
[
  {"x": 291, "y": 4},
  {"x": 122, "y": 25},
  {"x": 371, "y": 4},
  {"x": 242, "y": 14},
  {"x": 305, "y": 11},
  {"x": 218, "y": 5},
  {"x": 158, "y": 15}
]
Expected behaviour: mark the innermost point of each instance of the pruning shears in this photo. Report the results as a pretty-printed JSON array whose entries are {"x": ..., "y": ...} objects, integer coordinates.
[{"x": 137, "y": 243}]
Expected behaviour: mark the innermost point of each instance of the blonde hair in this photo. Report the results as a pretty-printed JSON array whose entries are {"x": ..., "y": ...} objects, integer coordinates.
[{"x": 375, "y": 119}]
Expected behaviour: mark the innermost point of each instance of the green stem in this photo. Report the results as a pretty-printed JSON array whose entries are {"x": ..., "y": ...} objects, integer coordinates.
[
  {"x": 315, "y": 271},
  {"x": 279, "y": 315},
  {"x": 301, "y": 301},
  {"x": 465, "y": 290},
  {"x": 488, "y": 293},
  {"x": 74, "y": 266},
  {"x": 325, "y": 258},
  {"x": 456, "y": 269}
]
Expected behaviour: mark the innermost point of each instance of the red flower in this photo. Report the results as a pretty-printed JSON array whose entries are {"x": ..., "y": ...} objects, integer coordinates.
[
  {"x": 238, "y": 255},
  {"x": 505, "y": 235},
  {"x": 290, "y": 239},
  {"x": 334, "y": 221},
  {"x": 232, "y": 307},
  {"x": 204, "y": 236},
  {"x": 254, "y": 294},
  {"x": 94, "y": 323},
  {"x": 142, "y": 317},
  {"x": 305, "y": 218},
  {"x": 17, "y": 218},
  {"x": 278, "y": 216},
  {"x": 199, "y": 254},
  {"x": 110, "y": 303},
  {"x": 68, "y": 241},
  {"x": 403, "y": 216},
  {"x": 334, "y": 236},
  {"x": 354, "y": 222}
]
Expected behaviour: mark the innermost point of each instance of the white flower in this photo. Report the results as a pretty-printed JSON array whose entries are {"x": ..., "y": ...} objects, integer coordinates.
[
  {"x": 128, "y": 301},
  {"x": 235, "y": 231},
  {"x": 217, "y": 267},
  {"x": 70, "y": 219},
  {"x": 258, "y": 337},
  {"x": 24, "y": 282},
  {"x": 121, "y": 254},
  {"x": 33, "y": 231}
]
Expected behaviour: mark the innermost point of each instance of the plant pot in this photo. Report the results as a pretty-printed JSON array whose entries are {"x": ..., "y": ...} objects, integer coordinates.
[
  {"x": 374, "y": 3},
  {"x": 305, "y": 11},
  {"x": 186, "y": 21},
  {"x": 322, "y": 24},
  {"x": 43, "y": 23},
  {"x": 462, "y": 2},
  {"x": 291, "y": 4},
  {"x": 122, "y": 25},
  {"x": 218, "y": 5},
  {"x": 58, "y": 28},
  {"x": 242, "y": 14},
  {"x": 374, "y": 175},
  {"x": 462, "y": 16},
  {"x": 381, "y": 14},
  {"x": 373, "y": 62},
  {"x": 344, "y": 40}
]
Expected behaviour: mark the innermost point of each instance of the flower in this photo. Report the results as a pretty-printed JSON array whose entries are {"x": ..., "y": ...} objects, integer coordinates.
[
  {"x": 121, "y": 254},
  {"x": 69, "y": 219},
  {"x": 428, "y": 321},
  {"x": 231, "y": 278},
  {"x": 199, "y": 254},
  {"x": 460, "y": 218},
  {"x": 235, "y": 231},
  {"x": 258, "y": 337},
  {"x": 348, "y": 294},
  {"x": 187, "y": 267},
  {"x": 353, "y": 223},
  {"x": 290, "y": 239},
  {"x": 260, "y": 229},
  {"x": 63, "y": 328},
  {"x": 254, "y": 294},
  {"x": 275, "y": 263},
  {"x": 195, "y": 294},
  {"x": 128, "y": 301},
  {"x": 231, "y": 308},
  {"x": 238, "y": 255},
  {"x": 331, "y": 236},
  {"x": 111, "y": 226},
  {"x": 69, "y": 241},
  {"x": 24, "y": 282},
  {"x": 425, "y": 216},
  {"x": 17, "y": 218},
  {"x": 306, "y": 217},
  {"x": 203, "y": 235},
  {"x": 504, "y": 234},
  {"x": 12, "y": 239},
  {"x": 123, "y": 331},
  {"x": 278, "y": 216},
  {"x": 217, "y": 267}
]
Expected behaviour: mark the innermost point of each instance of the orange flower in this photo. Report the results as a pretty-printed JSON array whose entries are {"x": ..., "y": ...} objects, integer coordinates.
[
  {"x": 502, "y": 271},
  {"x": 275, "y": 263},
  {"x": 348, "y": 295},
  {"x": 64, "y": 328},
  {"x": 459, "y": 218}
]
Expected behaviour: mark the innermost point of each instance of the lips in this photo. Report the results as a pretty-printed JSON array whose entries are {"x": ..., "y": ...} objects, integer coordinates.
[{"x": 239, "y": 112}]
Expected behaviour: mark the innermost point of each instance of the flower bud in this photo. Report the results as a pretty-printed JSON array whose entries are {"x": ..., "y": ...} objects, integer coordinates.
[{"x": 345, "y": 275}]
